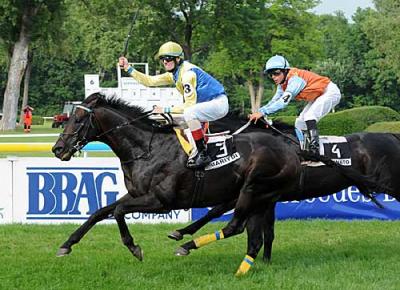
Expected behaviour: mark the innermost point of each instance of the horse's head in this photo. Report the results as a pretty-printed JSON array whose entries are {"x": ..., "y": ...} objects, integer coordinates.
[
  {"x": 107, "y": 119},
  {"x": 79, "y": 130}
]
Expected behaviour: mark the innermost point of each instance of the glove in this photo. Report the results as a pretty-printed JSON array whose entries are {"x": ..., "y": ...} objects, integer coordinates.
[
  {"x": 123, "y": 63},
  {"x": 255, "y": 116}
]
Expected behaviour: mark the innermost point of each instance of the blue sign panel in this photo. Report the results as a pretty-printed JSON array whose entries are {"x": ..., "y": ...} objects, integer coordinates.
[
  {"x": 96, "y": 147},
  {"x": 346, "y": 204},
  {"x": 73, "y": 194}
]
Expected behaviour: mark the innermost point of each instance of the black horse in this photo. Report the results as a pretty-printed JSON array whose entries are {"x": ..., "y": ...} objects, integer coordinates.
[
  {"x": 372, "y": 153},
  {"x": 158, "y": 181}
]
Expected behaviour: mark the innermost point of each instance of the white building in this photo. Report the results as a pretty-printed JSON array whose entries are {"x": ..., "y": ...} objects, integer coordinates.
[{"x": 133, "y": 92}]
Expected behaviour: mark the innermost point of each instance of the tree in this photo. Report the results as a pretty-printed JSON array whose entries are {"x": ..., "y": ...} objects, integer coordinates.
[
  {"x": 21, "y": 21},
  {"x": 182, "y": 21},
  {"x": 247, "y": 33},
  {"x": 338, "y": 62},
  {"x": 231, "y": 39},
  {"x": 27, "y": 78},
  {"x": 383, "y": 30}
]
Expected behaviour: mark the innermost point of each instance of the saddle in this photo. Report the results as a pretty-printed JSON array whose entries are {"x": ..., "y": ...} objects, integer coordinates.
[{"x": 220, "y": 146}]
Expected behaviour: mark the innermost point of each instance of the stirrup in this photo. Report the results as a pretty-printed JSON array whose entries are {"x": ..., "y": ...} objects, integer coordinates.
[
  {"x": 313, "y": 147},
  {"x": 201, "y": 160}
]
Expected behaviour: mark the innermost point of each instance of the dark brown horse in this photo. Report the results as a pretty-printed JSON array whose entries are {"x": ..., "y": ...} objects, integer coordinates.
[
  {"x": 158, "y": 181},
  {"x": 372, "y": 153}
]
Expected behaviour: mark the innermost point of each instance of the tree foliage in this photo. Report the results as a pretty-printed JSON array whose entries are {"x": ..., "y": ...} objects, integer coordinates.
[
  {"x": 22, "y": 22},
  {"x": 230, "y": 39}
]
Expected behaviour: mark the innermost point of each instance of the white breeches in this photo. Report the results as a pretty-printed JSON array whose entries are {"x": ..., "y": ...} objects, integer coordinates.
[
  {"x": 208, "y": 111},
  {"x": 320, "y": 107}
]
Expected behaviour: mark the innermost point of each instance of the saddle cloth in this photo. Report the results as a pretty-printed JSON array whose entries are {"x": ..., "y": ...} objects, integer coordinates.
[
  {"x": 220, "y": 147},
  {"x": 336, "y": 148}
]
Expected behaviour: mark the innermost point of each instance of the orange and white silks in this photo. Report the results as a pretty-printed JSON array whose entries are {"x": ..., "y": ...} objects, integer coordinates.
[{"x": 315, "y": 84}]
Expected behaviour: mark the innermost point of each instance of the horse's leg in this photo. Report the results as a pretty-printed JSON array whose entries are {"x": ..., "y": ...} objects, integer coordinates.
[
  {"x": 260, "y": 228},
  {"x": 76, "y": 236},
  {"x": 215, "y": 212},
  {"x": 130, "y": 204},
  {"x": 255, "y": 236},
  {"x": 235, "y": 226},
  {"x": 269, "y": 231}
]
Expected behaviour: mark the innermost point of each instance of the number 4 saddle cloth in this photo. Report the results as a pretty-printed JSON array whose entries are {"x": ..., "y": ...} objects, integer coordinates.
[
  {"x": 336, "y": 148},
  {"x": 220, "y": 147}
]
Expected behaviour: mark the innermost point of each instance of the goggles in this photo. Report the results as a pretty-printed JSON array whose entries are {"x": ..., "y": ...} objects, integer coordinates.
[
  {"x": 167, "y": 58},
  {"x": 275, "y": 72}
]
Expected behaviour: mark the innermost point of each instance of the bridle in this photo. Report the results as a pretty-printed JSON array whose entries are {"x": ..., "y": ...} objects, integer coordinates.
[
  {"x": 74, "y": 135},
  {"x": 84, "y": 125}
]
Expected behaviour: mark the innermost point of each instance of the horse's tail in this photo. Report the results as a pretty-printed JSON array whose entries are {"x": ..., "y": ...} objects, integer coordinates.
[{"x": 367, "y": 184}]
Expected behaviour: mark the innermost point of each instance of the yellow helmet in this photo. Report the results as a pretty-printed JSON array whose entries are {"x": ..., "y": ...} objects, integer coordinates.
[{"x": 170, "y": 49}]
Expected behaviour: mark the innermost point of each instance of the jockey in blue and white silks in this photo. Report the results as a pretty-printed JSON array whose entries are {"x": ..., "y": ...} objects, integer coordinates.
[{"x": 204, "y": 97}]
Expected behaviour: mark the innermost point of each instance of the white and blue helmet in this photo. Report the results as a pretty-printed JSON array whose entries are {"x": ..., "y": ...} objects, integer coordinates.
[{"x": 276, "y": 62}]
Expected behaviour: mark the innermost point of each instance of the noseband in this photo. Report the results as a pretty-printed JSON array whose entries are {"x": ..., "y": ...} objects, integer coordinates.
[{"x": 80, "y": 143}]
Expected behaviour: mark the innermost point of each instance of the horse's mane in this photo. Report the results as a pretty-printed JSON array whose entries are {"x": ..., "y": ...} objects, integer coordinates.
[{"x": 120, "y": 105}]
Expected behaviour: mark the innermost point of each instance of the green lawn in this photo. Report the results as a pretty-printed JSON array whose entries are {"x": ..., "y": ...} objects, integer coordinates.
[
  {"x": 307, "y": 255},
  {"x": 35, "y": 129},
  {"x": 38, "y": 129}
]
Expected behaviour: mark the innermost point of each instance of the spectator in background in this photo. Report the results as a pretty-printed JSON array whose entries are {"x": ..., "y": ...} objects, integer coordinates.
[{"x": 27, "y": 119}]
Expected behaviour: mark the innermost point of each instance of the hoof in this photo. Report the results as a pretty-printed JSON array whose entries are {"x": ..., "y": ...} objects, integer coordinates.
[
  {"x": 240, "y": 274},
  {"x": 181, "y": 252},
  {"x": 63, "y": 252},
  {"x": 175, "y": 235},
  {"x": 266, "y": 260},
  {"x": 138, "y": 253}
]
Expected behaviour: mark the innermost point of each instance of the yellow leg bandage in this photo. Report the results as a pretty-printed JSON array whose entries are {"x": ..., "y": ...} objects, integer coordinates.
[
  {"x": 245, "y": 266},
  {"x": 206, "y": 239}
]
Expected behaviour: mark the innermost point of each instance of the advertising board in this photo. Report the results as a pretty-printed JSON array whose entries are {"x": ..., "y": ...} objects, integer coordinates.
[
  {"x": 346, "y": 204},
  {"x": 6, "y": 204},
  {"x": 46, "y": 190}
]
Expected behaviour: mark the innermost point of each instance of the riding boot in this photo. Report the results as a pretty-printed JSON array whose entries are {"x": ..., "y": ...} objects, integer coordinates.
[
  {"x": 313, "y": 145},
  {"x": 201, "y": 159},
  {"x": 314, "y": 141}
]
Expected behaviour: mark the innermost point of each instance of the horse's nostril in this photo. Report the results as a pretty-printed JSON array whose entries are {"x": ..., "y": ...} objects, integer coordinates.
[{"x": 56, "y": 150}]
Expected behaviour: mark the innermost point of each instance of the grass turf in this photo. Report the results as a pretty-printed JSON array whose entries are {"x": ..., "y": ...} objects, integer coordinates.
[
  {"x": 38, "y": 129},
  {"x": 313, "y": 254}
]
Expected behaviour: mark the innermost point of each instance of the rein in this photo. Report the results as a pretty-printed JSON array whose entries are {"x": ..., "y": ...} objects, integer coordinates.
[
  {"x": 146, "y": 155},
  {"x": 146, "y": 114},
  {"x": 269, "y": 124}
]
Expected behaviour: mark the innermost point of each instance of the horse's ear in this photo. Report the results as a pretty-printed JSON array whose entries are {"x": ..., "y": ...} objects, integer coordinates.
[{"x": 92, "y": 100}]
